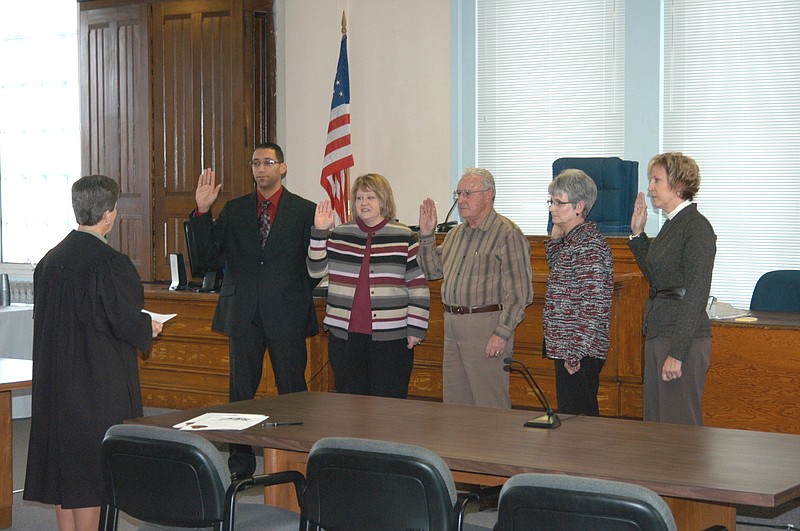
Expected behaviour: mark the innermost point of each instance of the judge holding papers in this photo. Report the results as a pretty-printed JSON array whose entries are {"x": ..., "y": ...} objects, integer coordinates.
[{"x": 88, "y": 324}]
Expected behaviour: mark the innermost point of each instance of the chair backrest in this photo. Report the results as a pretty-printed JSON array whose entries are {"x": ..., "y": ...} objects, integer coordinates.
[
  {"x": 538, "y": 502},
  {"x": 617, "y": 183},
  {"x": 777, "y": 291},
  {"x": 361, "y": 484},
  {"x": 164, "y": 476}
]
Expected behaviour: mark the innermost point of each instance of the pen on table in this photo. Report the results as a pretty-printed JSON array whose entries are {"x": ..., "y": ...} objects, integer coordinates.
[{"x": 274, "y": 424}]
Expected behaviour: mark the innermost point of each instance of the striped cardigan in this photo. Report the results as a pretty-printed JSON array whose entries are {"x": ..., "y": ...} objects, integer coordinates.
[{"x": 398, "y": 289}]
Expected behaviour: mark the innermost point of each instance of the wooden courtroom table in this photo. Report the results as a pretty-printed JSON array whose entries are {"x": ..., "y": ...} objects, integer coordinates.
[
  {"x": 702, "y": 472},
  {"x": 14, "y": 374},
  {"x": 752, "y": 382}
]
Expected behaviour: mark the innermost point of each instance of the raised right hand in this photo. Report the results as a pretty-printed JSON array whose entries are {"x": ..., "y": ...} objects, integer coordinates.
[
  {"x": 639, "y": 217},
  {"x": 324, "y": 216},
  {"x": 207, "y": 191},
  {"x": 427, "y": 217}
]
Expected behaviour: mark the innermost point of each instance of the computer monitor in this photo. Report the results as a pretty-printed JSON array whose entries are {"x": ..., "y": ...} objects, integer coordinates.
[{"x": 211, "y": 277}]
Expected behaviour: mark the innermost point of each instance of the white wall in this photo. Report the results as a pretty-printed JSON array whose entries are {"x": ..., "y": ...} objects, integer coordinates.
[{"x": 399, "y": 54}]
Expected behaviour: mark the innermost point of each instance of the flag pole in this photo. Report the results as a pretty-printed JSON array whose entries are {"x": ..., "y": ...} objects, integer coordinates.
[
  {"x": 338, "y": 157},
  {"x": 346, "y": 198}
]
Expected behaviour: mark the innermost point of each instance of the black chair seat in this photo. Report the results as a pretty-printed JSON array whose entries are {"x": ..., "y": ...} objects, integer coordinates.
[
  {"x": 174, "y": 479},
  {"x": 368, "y": 485}
]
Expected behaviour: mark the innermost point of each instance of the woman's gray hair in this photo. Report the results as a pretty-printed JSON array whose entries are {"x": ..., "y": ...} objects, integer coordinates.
[
  {"x": 577, "y": 186},
  {"x": 92, "y": 195},
  {"x": 487, "y": 179}
]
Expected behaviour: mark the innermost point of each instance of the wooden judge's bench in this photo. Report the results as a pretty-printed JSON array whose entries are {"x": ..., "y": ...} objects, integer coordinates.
[{"x": 750, "y": 384}]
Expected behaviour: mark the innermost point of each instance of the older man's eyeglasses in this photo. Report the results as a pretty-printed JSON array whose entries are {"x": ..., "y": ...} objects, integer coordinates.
[
  {"x": 556, "y": 202},
  {"x": 266, "y": 162},
  {"x": 466, "y": 194}
]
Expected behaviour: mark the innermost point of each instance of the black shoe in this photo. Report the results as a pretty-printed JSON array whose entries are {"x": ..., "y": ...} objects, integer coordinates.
[{"x": 242, "y": 464}]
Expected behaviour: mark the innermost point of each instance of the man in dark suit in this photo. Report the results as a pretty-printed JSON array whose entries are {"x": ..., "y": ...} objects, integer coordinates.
[{"x": 265, "y": 301}]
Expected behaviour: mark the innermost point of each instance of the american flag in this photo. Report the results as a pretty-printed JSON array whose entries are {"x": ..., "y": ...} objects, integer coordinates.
[{"x": 338, "y": 151}]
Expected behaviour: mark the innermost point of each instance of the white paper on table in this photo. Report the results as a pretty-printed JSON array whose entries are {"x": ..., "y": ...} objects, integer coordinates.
[
  {"x": 221, "y": 421},
  {"x": 723, "y": 310},
  {"x": 160, "y": 317}
]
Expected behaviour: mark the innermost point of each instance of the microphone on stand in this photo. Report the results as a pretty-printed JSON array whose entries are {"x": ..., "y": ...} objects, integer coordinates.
[
  {"x": 447, "y": 225},
  {"x": 549, "y": 420}
]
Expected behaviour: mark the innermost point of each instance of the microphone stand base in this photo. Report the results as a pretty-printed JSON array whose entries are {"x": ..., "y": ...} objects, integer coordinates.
[{"x": 547, "y": 421}]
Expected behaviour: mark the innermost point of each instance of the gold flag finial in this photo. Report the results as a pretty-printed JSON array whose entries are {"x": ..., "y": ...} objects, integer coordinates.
[{"x": 344, "y": 24}]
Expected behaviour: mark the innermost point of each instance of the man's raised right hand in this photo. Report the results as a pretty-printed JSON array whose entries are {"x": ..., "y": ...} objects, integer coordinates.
[{"x": 207, "y": 191}]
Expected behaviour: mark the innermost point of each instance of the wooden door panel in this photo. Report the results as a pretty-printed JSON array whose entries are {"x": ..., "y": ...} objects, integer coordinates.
[
  {"x": 198, "y": 69},
  {"x": 115, "y": 120}
]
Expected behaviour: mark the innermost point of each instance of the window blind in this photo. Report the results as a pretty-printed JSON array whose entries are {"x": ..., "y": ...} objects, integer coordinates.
[
  {"x": 39, "y": 126},
  {"x": 550, "y": 84},
  {"x": 732, "y": 101}
]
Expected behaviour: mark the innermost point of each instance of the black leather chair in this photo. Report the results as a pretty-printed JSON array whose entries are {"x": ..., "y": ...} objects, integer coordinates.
[
  {"x": 777, "y": 291},
  {"x": 175, "y": 478},
  {"x": 617, "y": 183},
  {"x": 368, "y": 485},
  {"x": 552, "y": 502}
]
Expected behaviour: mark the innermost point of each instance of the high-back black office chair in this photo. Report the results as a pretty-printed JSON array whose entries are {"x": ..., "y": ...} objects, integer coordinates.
[
  {"x": 551, "y": 502},
  {"x": 777, "y": 291},
  {"x": 176, "y": 478},
  {"x": 617, "y": 183},
  {"x": 367, "y": 485}
]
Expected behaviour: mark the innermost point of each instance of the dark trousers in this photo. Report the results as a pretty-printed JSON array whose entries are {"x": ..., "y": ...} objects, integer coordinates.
[
  {"x": 362, "y": 366},
  {"x": 287, "y": 354},
  {"x": 678, "y": 401},
  {"x": 577, "y": 393}
]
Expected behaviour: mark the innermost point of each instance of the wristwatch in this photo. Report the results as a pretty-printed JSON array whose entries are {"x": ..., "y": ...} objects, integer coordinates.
[{"x": 632, "y": 236}]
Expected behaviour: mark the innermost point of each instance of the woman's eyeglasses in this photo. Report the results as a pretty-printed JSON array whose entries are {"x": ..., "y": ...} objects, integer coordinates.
[{"x": 556, "y": 202}]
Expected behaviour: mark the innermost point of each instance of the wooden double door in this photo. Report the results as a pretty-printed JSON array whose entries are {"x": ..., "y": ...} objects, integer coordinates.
[{"x": 169, "y": 88}]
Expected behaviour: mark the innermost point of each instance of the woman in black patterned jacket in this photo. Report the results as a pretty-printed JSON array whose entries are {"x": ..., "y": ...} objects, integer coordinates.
[
  {"x": 577, "y": 305},
  {"x": 678, "y": 264}
]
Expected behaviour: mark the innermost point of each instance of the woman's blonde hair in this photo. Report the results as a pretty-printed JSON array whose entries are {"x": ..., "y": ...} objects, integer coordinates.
[
  {"x": 683, "y": 174},
  {"x": 374, "y": 182}
]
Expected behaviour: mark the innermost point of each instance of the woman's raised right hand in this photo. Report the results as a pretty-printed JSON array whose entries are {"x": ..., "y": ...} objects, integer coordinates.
[
  {"x": 324, "y": 216},
  {"x": 639, "y": 217}
]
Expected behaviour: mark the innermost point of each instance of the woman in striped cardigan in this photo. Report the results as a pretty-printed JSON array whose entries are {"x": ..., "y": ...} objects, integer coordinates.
[{"x": 378, "y": 298}]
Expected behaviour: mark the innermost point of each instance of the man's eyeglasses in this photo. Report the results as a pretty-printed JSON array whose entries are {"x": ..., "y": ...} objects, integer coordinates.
[
  {"x": 266, "y": 162},
  {"x": 556, "y": 202},
  {"x": 466, "y": 194}
]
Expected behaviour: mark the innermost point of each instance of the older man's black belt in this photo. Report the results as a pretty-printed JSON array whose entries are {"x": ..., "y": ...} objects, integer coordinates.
[
  {"x": 668, "y": 293},
  {"x": 461, "y": 310}
]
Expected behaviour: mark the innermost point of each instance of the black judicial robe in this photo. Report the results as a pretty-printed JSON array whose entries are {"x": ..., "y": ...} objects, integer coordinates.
[{"x": 87, "y": 326}]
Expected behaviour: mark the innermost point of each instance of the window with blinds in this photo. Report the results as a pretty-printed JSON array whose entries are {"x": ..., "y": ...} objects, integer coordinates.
[
  {"x": 550, "y": 83},
  {"x": 732, "y": 101},
  {"x": 39, "y": 126}
]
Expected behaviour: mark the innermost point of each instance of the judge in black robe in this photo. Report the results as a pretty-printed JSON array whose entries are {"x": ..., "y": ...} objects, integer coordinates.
[{"x": 88, "y": 325}]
